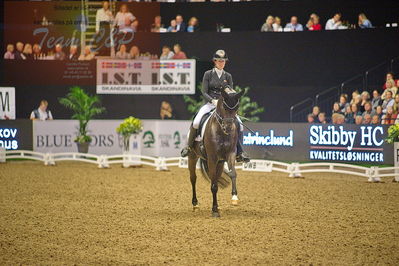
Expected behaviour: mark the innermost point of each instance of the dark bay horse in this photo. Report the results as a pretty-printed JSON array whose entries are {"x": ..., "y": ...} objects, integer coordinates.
[{"x": 219, "y": 146}]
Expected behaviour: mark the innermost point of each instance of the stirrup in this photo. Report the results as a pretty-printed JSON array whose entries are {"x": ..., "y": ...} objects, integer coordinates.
[{"x": 185, "y": 151}]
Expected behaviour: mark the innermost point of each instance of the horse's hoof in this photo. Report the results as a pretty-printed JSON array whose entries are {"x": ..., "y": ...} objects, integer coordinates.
[
  {"x": 215, "y": 214},
  {"x": 195, "y": 208},
  {"x": 234, "y": 200}
]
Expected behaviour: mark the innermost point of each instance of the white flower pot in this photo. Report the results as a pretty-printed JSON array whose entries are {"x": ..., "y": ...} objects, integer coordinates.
[{"x": 133, "y": 148}]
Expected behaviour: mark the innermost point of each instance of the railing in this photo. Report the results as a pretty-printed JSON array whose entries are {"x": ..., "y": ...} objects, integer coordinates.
[
  {"x": 370, "y": 80},
  {"x": 301, "y": 115},
  {"x": 295, "y": 170}
]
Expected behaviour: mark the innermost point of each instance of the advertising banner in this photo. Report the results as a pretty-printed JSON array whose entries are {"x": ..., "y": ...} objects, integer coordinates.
[
  {"x": 158, "y": 138},
  {"x": 145, "y": 76},
  {"x": 7, "y": 103},
  {"x": 319, "y": 142},
  {"x": 16, "y": 134}
]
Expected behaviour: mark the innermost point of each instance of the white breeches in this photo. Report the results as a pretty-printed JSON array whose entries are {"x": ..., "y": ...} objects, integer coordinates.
[{"x": 206, "y": 109}]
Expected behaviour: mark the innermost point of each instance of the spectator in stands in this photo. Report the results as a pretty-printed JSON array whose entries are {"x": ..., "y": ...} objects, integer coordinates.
[
  {"x": 172, "y": 27},
  {"x": 193, "y": 25},
  {"x": 396, "y": 104},
  {"x": 389, "y": 76},
  {"x": 363, "y": 22},
  {"x": 365, "y": 97},
  {"x": 355, "y": 96},
  {"x": 375, "y": 120},
  {"x": 179, "y": 54},
  {"x": 334, "y": 22},
  {"x": 268, "y": 25},
  {"x": 180, "y": 25},
  {"x": 358, "y": 120},
  {"x": 322, "y": 118},
  {"x": 390, "y": 116},
  {"x": 124, "y": 19},
  {"x": 315, "y": 113},
  {"x": 390, "y": 84},
  {"x": 166, "y": 111},
  {"x": 376, "y": 99},
  {"x": 87, "y": 54},
  {"x": 9, "y": 54},
  {"x": 336, "y": 108},
  {"x": 134, "y": 52},
  {"x": 367, "y": 119},
  {"x": 314, "y": 23},
  {"x": 122, "y": 53},
  {"x": 166, "y": 53},
  {"x": 37, "y": 52},
  {"x": 73, "y": 53},
  {"x": 293, "y": 25},
  {"x": 354, "y": 113},
  {"x": 348, "y": 115},
  {"x": 343, "y": 102},
  {"x": 277, "y": 25},
  {"x": 42, "y": 113},
  {"x": 340, "y": 119},
  {"x": 388, "y": 101},
  {"x": 157, "y": 25},
  {"x": 310, "y": 118},
  {"x": 18, "y": 54},
  {"x": 368, "y": 110},
  {"x": 59, "y": 54},
  {"x": 378, "y": 111},
  {"x": 28, "y": 53}
]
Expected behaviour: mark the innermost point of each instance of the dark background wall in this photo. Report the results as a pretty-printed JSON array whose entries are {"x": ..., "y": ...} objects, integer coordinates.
[{"x": 280, "y": 68}]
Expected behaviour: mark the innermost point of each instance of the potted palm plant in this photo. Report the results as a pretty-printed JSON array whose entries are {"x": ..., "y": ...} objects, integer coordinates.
[{"x": 85, "y": 107}]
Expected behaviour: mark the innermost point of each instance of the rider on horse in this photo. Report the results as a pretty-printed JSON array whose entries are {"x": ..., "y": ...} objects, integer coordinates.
[{"x": 213, "y": 82}]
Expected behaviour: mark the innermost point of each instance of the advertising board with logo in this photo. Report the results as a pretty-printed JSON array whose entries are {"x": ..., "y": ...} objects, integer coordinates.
[
  {"x": 316, "y": 142},
  {"x": 16, "y": 134},
  {"x": 158, "y": 138},
  {"x": 7, "y": 103},
  {"x": 145, "y": 76}
]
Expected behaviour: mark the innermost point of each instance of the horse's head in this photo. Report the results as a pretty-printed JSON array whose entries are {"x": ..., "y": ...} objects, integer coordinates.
[{"x": 227, "y": 108}]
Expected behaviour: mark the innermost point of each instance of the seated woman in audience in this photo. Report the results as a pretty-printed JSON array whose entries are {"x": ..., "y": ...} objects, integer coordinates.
[
  {"x": 268, "y": 25},
  {"x": 315, "y": 113},
  {"x": 193, "y": 25},
  {"x": 343, "y": 102},
  {"x": 336, "y": 108},
  {"x": 87, "y": 54},
  {"x": 388, "y": 101},
  {"x": 348, "y": 115},
  {"x": 322, "y": 118},
  {"x": 368, "y": 110},
  {"x": 157, "y": 25},
  {"x": 390, "y": 116},
  {"x": 134, "y": 52},
  {"x": 166, "y": 53},
  {"x": 37, "y": 51},
  {"x": 390, "y": 84},
  {"x": 365, "y": 97},
  {"x": 28, "y": 53},
  {"x": 396, "y": 103},
  {"x": 310, "y": 118},
  {"x": 179, "y": 54},
  {"x": 172, "y": 27},
  {"x": 375, "y": 120},
  {"x": 122, "y": 53},
  {"x": 363, "y": 22},
  {"x": 277, "y": 25},
  {"x": 376, "y": 99},
  {"x": 355, "y": 112},
  {"x": 389, "y": 76},
  {"x": 314, "y": 23},
  {"x": 124, "y": 19},
  {"x": 9, "y": 54},
  {"x": 355, "y": 95},
  {"x": 378, "y": 111}
]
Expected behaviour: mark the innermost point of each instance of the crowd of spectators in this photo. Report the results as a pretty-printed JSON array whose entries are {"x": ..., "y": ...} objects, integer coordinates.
[
  {"x": 363, "y": 108},
  {"x": 273, "y": 24}
]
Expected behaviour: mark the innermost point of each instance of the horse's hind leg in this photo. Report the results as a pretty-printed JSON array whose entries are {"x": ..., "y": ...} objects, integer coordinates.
[
  {"x": 233, "y": 175},
  {"x": 192, "y": 165}
]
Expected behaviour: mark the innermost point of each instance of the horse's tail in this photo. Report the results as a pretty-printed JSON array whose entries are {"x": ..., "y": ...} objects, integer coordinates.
[{"x": 224, "y": 179}]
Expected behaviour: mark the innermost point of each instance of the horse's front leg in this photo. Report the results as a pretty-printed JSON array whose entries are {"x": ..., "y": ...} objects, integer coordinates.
[
  {"x": 233, "y": 175},
  {"x": 215, "y": 171}
]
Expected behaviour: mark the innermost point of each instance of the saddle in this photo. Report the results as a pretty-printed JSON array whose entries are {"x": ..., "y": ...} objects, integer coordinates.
[{"x": 202, "y": 125}]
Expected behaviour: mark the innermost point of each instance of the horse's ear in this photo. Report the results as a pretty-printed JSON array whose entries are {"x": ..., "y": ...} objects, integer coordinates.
[
  {"x": 238, "y": 95},
  {"x": 224, "y": 94}
]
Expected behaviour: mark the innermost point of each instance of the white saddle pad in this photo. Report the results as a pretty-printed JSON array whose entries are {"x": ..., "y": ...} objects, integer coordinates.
[{"x": 199, "y": 137}]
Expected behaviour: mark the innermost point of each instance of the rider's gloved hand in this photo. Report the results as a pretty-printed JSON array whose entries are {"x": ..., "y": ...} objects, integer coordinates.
[{"x": 215, "y": 102}]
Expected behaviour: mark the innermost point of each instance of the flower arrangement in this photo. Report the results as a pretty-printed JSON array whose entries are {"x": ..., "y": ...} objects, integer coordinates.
[
  {"x": 393, "y": 134},
  {"x": 128, "y": 127}
]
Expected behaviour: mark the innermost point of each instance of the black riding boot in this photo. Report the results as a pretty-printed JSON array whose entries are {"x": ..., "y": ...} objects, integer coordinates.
[
  {"x": 190, "y": 142},
  {"x": 241, "y": 155}
]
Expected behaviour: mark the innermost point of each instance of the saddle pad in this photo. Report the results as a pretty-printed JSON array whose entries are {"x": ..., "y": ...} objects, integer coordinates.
[{"x": 203, "y": 126}]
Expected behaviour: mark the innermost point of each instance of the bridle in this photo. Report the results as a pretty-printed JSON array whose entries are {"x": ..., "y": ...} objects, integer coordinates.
[{"x": 223, "y": 121}]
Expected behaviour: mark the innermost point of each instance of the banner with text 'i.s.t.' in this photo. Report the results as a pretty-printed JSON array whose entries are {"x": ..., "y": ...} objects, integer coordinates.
[{"x": 145, "y": 76}]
